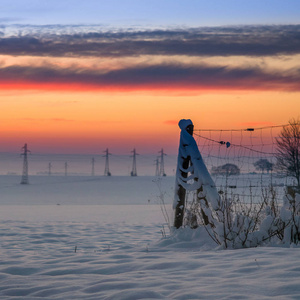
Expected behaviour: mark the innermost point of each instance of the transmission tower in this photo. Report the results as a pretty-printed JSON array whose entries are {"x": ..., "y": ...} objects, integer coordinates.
[
  {"x": 134, "y": 172},
  {"x": 157, "y": 167},
  {"x": 93, "y": 166},
  {"x": 49, "y": 168},
  {"x": 24, "y": 179},
  {"x": 106, "y": 170},
  {"x": 162, "y": 165},
  {"x": 66, "y": 169}
]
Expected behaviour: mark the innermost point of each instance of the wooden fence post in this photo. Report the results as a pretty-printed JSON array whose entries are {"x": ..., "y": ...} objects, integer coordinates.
[{"x": 185, "y": 162}]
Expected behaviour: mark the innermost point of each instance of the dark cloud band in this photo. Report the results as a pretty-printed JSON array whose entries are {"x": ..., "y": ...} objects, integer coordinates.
[
  {"x": 156, "y": 77},
  {"x": 218, "y": 41}
]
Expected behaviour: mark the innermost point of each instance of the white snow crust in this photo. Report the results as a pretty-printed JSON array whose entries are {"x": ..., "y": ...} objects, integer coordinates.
[{"x": 104, "y": 241}]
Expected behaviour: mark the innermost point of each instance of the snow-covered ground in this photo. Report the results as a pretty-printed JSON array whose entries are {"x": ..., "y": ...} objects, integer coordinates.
[{"x": 82, "y": 237}]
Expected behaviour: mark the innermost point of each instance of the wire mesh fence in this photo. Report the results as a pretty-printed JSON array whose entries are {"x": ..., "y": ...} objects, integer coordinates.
[{"x": 242, "y": 162}]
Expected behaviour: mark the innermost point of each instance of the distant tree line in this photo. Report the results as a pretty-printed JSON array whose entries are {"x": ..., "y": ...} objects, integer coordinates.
[
  {"x": 263, "y": 165},
  {"x": 226, "y": 170}
]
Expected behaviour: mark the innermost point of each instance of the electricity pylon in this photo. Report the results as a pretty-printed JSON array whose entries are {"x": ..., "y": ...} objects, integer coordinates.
[
  {"x": 66, "y": 169},
  {"x": 134, "y": 172},
  {"x": 162, "y": 165},
  {"x": 157, "y": 167},
  {"x": 93, "y": 166},
  {"x": 106, "y": 170},
  {"x": 24, "y": 179}
]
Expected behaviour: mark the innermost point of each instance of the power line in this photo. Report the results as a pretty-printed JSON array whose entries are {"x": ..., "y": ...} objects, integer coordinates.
[
  {"x": 106, "y": 169},
  {"x": 162, "y": 165},
  {"x": 134, "y": 171},
  {"x": 24, "y": 179}
]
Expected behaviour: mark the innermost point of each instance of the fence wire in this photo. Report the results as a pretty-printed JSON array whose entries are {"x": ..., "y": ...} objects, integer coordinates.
[{"x": 232, "y": 156}]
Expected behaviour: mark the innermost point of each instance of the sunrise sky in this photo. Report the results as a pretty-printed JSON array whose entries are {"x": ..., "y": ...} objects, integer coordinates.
[{"x": 83, "y": 76}]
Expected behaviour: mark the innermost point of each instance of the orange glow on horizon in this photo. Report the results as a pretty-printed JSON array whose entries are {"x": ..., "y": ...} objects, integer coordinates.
[
  {"x": 177, "y": 87},
  {"x": 89, "y": 121}
]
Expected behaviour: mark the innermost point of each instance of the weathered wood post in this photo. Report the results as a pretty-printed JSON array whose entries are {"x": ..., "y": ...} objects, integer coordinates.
[{"x": 182, "y": 165}]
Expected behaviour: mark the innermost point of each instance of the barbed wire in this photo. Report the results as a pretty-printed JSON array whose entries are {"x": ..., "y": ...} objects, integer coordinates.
[
  {"x": 228, "y": 144},
  {"x": 245, "y": 129}
]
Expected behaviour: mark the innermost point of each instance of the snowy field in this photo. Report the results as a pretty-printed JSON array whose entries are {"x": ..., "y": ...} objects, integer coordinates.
[{"x": 83, "y": 237}]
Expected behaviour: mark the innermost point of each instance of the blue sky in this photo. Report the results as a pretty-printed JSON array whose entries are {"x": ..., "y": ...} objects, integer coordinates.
[
  {"x": 74, "y": 74},
  {"x": 150, "y": 13}
]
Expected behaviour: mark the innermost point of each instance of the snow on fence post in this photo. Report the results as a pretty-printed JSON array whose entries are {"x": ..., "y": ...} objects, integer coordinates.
[
  {"x": 183, "y": 163},
  {"x": 192, "y": 175}
]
